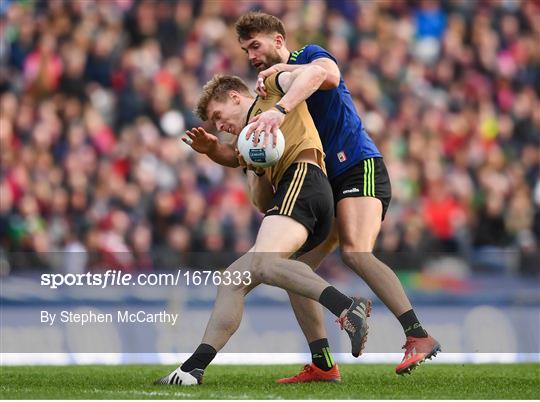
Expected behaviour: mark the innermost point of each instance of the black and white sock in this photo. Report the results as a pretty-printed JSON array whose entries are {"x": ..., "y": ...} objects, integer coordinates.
[
  {"x": 411, "y": 325},
  {"x": 200, "y": 359}
]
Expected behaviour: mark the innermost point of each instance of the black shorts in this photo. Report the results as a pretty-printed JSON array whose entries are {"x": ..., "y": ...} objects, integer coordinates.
[
  {"x": 305, "y": 195},
  {"x": 368, "y": 179}
]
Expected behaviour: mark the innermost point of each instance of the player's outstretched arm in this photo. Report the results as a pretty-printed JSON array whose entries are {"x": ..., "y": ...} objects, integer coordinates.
[{"x": 205, "y": 143}]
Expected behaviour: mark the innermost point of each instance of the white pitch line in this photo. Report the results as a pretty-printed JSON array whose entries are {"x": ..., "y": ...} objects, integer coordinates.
[{"x": 162, "y": 393}]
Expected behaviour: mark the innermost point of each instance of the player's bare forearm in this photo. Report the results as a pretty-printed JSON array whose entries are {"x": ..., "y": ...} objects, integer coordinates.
[
  {"x": 300, "y": 84},
  {"x": 224, "y": 154},
  {"x": 333, "y": 74},
  {"x": 331, "y": 80}
]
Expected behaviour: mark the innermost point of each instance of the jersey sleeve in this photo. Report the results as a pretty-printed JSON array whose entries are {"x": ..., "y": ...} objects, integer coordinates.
[
  {"x": 314, "y": 52},
  {"x": 272, "y": 86}
]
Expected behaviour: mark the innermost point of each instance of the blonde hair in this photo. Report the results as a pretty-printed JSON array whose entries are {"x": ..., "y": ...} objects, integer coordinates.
[{"x": 218, "y": 89}]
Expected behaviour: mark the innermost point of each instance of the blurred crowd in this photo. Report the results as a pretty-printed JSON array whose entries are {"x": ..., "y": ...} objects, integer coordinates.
[{"x": 94, "y": 95}]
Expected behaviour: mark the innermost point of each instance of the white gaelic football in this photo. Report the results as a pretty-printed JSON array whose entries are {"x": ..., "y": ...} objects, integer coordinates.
[{"x": 257, "y": 154}]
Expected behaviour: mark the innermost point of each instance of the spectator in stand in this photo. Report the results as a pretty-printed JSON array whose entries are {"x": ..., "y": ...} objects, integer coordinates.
[{"x": 449, "y": 91}]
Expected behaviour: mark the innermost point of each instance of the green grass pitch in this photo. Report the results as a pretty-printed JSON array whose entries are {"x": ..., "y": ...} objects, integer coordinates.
[{"x": 517, "y": 381}]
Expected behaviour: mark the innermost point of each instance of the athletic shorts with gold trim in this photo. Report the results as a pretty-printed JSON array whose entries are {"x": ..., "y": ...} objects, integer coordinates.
[
  {"x": 368, "y": 179},
  {"x": 305, "y": 195}
]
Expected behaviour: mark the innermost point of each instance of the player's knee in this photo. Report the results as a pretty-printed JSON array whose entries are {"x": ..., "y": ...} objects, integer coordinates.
[
  {"x": 355, "y": 257},
  {"x": 347, "y": 257},
  {"x": 260, "y": 267},
  {"x": 360, "y": 245}
]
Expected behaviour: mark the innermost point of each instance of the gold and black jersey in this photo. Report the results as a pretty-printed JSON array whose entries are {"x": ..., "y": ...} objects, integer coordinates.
[{"x": 298, "y": 129}]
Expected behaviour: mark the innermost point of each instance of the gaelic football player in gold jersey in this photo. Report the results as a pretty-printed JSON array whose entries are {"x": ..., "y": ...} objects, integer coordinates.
[{"x": 297, "y": 200}]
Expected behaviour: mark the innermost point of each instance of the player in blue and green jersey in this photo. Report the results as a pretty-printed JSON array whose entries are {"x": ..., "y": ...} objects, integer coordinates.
[{"x": 359, "y": 179}]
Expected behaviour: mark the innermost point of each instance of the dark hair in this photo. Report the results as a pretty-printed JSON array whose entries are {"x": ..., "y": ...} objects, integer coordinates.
[
  {"x": 217, "y": 89},
  {"x": 256, "y": 22}
]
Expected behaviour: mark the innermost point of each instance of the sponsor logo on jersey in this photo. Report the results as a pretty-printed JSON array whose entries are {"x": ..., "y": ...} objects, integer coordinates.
[{"x": 341, "y": 156}]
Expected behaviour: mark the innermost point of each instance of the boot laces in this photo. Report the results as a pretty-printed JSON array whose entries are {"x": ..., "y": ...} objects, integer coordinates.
[
  {"x": 345, "y": 324},
  {"x": 306, "y": 370},
  {"x": 408, "y": 344}
]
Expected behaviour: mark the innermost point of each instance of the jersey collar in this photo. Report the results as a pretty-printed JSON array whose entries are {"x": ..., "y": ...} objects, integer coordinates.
[{"x": 251, "y": 108}]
